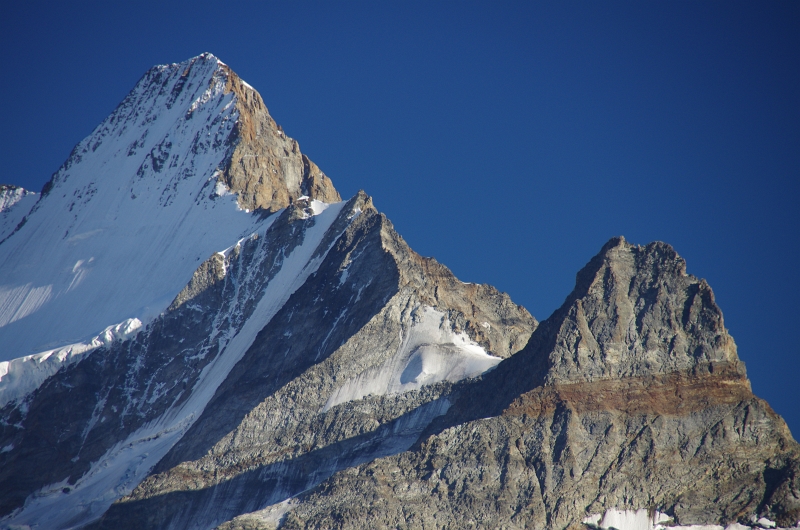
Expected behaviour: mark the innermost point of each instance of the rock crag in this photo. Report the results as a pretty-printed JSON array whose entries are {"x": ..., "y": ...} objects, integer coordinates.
[
  {"x": 266, "y": 168},
  {"x": 631, "y": 396}
]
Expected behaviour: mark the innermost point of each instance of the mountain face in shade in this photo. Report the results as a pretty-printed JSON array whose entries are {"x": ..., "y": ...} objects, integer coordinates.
[{"x": 197, "y": 332}]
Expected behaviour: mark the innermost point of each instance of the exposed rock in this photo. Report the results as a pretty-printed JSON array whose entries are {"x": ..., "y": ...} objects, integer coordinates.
[
  {"x": 15, "y": 203},
  {"x": 266, "y": 168},
  {"x": 631, "y": 395}
]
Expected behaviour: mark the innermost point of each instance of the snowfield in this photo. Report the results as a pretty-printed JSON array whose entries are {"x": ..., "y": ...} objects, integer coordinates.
[{"x": 430, "y": 352}]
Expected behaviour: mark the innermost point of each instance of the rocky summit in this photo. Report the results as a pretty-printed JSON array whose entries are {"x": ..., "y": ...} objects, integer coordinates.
[{"x": 217, "y": 340}]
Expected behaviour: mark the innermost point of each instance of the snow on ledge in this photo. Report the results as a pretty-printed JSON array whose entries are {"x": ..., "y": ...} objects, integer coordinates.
[
  {"x": 645, "y": 520},
  {"x": 429, "y": 353},
  {"x": 19, "y": 377}
]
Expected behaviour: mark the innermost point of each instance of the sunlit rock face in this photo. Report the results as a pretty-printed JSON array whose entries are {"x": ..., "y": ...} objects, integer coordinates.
[
  {"x": 630, "y": 397},
  {"x": 197, "y": 332}
]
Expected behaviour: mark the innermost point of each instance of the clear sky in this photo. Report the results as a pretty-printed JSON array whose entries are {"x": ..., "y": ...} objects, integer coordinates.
[{"x": 507, "y": 140}]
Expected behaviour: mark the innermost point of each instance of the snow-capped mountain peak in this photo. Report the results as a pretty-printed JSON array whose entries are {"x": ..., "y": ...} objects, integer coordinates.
[{"x": 173, "y": 175}]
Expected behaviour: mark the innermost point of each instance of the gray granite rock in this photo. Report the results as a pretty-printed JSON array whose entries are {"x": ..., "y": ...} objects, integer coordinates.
[
  {"x": 328, "y": 383},
  {"x": 630, "y": 396}
]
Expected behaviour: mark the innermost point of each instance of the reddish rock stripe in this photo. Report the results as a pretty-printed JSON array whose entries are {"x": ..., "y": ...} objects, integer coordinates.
[{"x": 674, "y": 394}]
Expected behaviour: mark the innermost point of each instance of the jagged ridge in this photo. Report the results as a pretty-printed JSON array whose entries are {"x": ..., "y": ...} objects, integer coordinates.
[{"x": 630, "y": 396}]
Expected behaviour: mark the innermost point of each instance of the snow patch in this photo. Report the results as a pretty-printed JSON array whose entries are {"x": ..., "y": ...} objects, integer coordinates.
[
  {"x": 19, "y": 377},
  {"x": 318, "y": 206},
  {"x": 220, "y": 189},
  {"x": 645, "y": 520},
  {"x": 628, "y": 519},
  {"x": 429, "y": 353}
]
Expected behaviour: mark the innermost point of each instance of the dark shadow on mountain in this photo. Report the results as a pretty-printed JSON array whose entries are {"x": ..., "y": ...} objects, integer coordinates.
[
  {"x": 322, "y": 316},
  {"x": 269, "y": 484},
  {"x": 75, "y": 416}
]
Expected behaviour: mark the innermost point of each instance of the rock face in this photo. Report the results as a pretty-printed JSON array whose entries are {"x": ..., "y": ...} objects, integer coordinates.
[
  {"x": 631, "y": 396},
  {"x": 310, "y": 370},
  {"x": 321, "y": 389}
]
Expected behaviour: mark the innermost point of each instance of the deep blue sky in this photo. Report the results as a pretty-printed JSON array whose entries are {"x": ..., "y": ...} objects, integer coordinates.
[{"x": 508, "y": 140}]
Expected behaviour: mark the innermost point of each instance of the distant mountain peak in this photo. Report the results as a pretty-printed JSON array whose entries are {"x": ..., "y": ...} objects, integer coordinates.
[{"x": 175, "y": 170}]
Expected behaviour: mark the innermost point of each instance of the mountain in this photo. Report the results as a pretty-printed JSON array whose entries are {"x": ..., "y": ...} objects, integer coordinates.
[
  {"x": 629, "y": 397},
  {"x": 197, "y": 332}
]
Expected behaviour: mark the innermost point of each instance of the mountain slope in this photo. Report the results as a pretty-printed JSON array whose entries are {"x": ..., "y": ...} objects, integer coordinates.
[
  {"x": 631, "y": 396},
  {"x": 219, "y": 341},
  {"x": 354, "y": 366},
  {"x": 142, "y": 201},
  {"x": 323, "y": 299}
]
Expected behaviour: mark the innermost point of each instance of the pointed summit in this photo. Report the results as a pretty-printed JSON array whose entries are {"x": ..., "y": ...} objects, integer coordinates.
[
  {"x": 170, "y": 177},
  {"x": 629, "y": 400},
  {"x": 262, "y": 165},
  {"x": 636, "y": 312}
]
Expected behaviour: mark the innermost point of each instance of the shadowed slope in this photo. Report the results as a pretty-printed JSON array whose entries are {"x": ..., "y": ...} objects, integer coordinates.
[{"x": 359, "y": 323}]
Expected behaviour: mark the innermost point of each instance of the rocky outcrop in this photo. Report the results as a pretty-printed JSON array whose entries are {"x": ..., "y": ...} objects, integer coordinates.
[
  {"x": 15, "y": 203},
  {"x": 266, "y": 169},
  {"x": 630, "y": 396}
]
